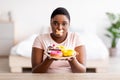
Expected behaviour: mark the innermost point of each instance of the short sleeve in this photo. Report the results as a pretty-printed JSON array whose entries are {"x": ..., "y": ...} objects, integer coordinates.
[{"x": 37, "y": 43}]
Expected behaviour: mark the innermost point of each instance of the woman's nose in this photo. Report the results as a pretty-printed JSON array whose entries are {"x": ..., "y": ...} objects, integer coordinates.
[{"x": 60, "y": 26}]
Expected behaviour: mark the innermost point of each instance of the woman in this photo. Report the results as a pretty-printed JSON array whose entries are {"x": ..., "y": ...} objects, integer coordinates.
[{"x": 60, "y": 22}]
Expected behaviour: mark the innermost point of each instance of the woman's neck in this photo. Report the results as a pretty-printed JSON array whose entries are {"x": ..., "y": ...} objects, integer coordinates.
[{"x": 58, "y": 39}]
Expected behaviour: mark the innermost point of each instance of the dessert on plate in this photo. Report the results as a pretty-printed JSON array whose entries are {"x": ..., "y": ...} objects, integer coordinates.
[{"x": 60, "y": 52}]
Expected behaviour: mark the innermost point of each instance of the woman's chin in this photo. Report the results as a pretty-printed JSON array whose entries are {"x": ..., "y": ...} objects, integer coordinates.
[{"x": 59, "y": 35}]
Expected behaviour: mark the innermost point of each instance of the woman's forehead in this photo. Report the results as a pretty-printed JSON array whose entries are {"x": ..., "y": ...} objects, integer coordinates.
[{"x": 60, "y": 18}]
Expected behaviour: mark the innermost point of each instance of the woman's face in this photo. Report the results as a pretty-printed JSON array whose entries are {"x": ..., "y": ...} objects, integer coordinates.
[{"x": 60, "y": 25}]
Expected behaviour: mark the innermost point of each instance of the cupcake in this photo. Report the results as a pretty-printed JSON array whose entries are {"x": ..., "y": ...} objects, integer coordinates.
[
  {"x": 59, "y": 51},
  {"x": 56, "y": 53},
  {"x": 68, "y": 53}
]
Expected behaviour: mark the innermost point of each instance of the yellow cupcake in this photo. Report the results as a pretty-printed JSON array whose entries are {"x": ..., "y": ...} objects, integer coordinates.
[{"x": 68, "y": 52}]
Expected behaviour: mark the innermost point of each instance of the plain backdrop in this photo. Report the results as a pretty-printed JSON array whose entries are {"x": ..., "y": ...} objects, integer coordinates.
[{"x": 33, "y": 16}]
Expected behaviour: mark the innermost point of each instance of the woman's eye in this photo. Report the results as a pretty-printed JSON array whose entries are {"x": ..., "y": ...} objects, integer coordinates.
[
  {"x": 64, "y": 24},
  {"x": 55, "y": 23}
]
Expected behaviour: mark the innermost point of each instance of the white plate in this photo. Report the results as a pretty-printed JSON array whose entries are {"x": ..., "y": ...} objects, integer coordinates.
[{"x": 60, "y": 58}]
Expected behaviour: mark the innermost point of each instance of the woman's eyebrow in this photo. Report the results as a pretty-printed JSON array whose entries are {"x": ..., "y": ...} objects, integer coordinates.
[
  {"x": 62, "y": 21},
  {"x": 55, "y": 21}
]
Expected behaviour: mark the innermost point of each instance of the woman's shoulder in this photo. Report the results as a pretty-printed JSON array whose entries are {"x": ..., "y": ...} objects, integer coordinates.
[{"x": 73, "y": 33}]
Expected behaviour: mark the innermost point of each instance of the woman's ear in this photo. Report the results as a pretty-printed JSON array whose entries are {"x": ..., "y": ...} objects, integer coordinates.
[{"x": 51, "y": 22}]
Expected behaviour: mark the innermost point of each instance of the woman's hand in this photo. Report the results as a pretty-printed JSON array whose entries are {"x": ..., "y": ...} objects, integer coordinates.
[
  {"x": 70, "y": 58},
  {"x": 77, "y": 62},
  {"x": 51, "y": 58}
]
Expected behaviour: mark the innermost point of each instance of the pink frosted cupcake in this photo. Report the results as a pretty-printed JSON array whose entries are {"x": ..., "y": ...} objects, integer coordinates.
[{"x": 55, "y": 53}]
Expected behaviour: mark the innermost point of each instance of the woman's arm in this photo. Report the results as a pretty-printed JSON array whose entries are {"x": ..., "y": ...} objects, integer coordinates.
[
  {"x": 78, "y": 63},
  {"x": 38, "y": 65}
]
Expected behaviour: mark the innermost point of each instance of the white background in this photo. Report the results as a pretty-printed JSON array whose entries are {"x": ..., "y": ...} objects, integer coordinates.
[{"x": 30, "y": 16}]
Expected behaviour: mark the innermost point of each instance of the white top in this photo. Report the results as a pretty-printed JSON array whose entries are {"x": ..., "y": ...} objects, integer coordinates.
[{"x": 44, "y": 40}]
